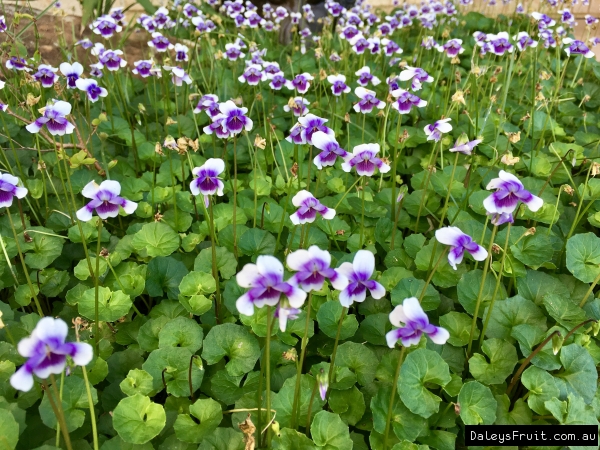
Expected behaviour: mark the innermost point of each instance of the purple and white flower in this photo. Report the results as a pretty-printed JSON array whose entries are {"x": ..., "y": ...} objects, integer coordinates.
[
  {"x": 359, "y": 273},
  {"x": 105, "y": 200},
  {"x": 412, "y": 322},
  {"x": 265, "y": 283},
  {"x": 46, "y": 75},
  {"x": 577, "y": 47},
  {"x": 459, "y": 242},
  {"x": 364, "y": 158},
  {"x": 145, "y": 68},
  {"x": 111, "y": 59},
  {"x": 296, "y": 135},
  {"x": 181, "y": 52},
  {"x": 253, "y": 74},
  {"x": 233, "y": 119},
  {"x": 284, "y": 313},
  {"x": 16, "y": 63},
  {"x": 105, "y": 26},
  {"x": 523, "y": 41},
  {"x": 464, "y": 146},
  {"x": 159, "y": 42},
  {"x": 46, "y": 352},
  {"x": 367, "y": 101},
  {"x": 452, "y": 48},
  {"x": 417, "y": 75},
  {"x": 330, "y": 149},
  {"x": 178, "y": 75},
  {"x": 85, "y": 43},
  {"x": 308, "y": 207},
  {"x": 91, "y": 88},
  {"x": 509, "y": 191},
  {"x": 233, "y": 52},
  {"x": 338, "y": 84},
  {"x": 9, "y": 189},
  {"x": 312, "y": 269},
  {"x": 435, "y": 130},
  {"x": 300, "y": 83},
  {"x": 54, "y": 119},
  {"x": 3, "y": 26},
  {"x": 405, "y": 101},
  {"x": 297, "y": 106},
  {"x": 365, "y": 77},
  {"x": 277, "y": 81},
  {"x": 72, "y": 72},
  {"x": 390, "y": 47},
  {"x": 359, "y": 44},
  {"x": 207, "y": 181},
  {"x": 311, "y": 124},
  {"x": 544, "y": 21},
  {"x": 499, "y": 44},
  {"x": 208, "y": 103}
]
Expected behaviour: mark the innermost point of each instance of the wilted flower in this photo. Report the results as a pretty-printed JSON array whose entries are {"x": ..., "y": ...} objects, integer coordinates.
[
  {"x": 323, "y": 383},
  {"x": 364, "y": 158},
  {"x": 359, "y": 274},
  {"x": 9, "y": 188},
  {"x": 412, "y": 322},
  {"x": 509, "y": 191},
  {"x": 72, "y": 72},
  {"x": 54, "y": 119},
  {"x": 46, "y": 75},
  {"x": 297, "y": 105},
  {"x": 367, "y": 101},
  {"x": 91, "y": 88},
  {"x": 339, "y": 85},
  {"x": 265, "y": 281},
  {"x": 105, "y": 200},
  {"x": 459, "y": 242},
  {"x": 308, "y": 207},
  {"x": 313, "y": 269},
  {"x": 47, "y": 353},
  {"x": 435, "y": 130},
  {"x": 463, "y": 145}
]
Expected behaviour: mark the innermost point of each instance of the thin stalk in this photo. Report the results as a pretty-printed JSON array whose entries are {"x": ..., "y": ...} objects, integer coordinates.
[
  {"x": 96, "y": 288},
  {"x": 431, "y": 274},
  {"x": 270, "y": 322},
  {"x": 304, "y": 344},
  {"x": 213, "y": 240},
  {"x": 60, "y": 417},
  {"x": 589, "y": 291},
  {"x": 388, "y": 419},
  {"x": 335, "y": 347}
]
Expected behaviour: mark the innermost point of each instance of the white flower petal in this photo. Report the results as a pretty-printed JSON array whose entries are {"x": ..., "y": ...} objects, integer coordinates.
[
  {"x": 448, "y": 235},
  {"x": 364, "y": 263},
  {"x": 397, "y": 316}
]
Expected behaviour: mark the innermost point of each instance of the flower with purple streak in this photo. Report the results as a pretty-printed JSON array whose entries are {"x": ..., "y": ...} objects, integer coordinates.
[
  {"x": 464, "y": 146},
  {"x": 72, "y": 72},
  {"x": 233, "y": 119},
  {"x": 297, "y": 106},
  {"x": 523, "y": 41},
  {"x": 577, "y": 47},
  {"x": 349, "y": 32},
  {"x": 9, "y": 189},
  {"x": 405, "y": 101},
  {"x": 159, "y": 42},
  {"x": 499, "y": 44},
  {"x": 54, "y": 119},
  {"x": 590, "y": 20},
  {"x": 181, "y": 52},
  {"x": 178, "y": 75},
  {"x": 367, "y": 101},
  {"x": 46, "y": 352},
  {"x": 285, "y": 312},
  {"x": 338, "y": 84},
  {"x": 544, "y": 21},
  {"x": 145, "y": 68},
  {"x": 365, "y": 77},
  {"x": 359, "y": 273},
  {"x": 253, "y": 74},
  {"x": 105, "y": 26},
  {"x": 161, "y": 17},
  {"x": 233, "y": 52},
  {"x": 16, "y": 63},
  {"x": 390, "y": 47},
  {"x": 330, "y": 149},
  {"x": 3, "y": 26},
  {"x": 312, "y": 269},
  {"x": 300, "y": 83},
  {"x": 265, "y": 283},
  {"x": 374, "y": 45},
  {"x": 417, "y": 75},
  {"x": 411, "y": 322},
  {"x": 46, "y": 75},
  {"x": 429, "y": 42},
  {"x": 105, "y": 199},
  {"x": 459, "y": 242},
  {"x": 271, "y": 69},
  {"x": 435, "y": 130},
  {"x": 296, "y": 135},
  {"x": 277, "y": 81},
  {"x": 111, "y": 59},
  {"x": 359, "y": 44},
  {"x": 334, "y": 8},
  {"x": 364, "y": 158},
  {"x": 85, "y": 43},
  {"x": 96, "y": 70},
  {"x": 216, "y": 127},
  {"x": 311, "y": 124},
  {"x": 453, "y": 48},
  {"x": 207, "y": 181},
  {"x": 308, "y": 207},
  {"x": 208, "y": 103},
  {"x": 91, "y": 88},
  {"x": 509, "y": 191}
]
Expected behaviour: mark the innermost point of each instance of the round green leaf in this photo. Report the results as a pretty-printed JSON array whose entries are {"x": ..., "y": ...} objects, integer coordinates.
[
  {"x": 542, "y": 388},
  {"x": 255, "y": 242},
  {"x": 349, "y": 404},
  {"x": 155, "y": 239},
  {"x": 502, "y": 360},
  {"x": 284, "y": 400},
  {"x": 9, "y": 430},
  {"x": 235, "y": 343},
  {"x": 181, "y": 332},
  {"x": 459, "y": 326},
  {"x": 137, "y": 382},
  {"x": 359, "y": 359},
  {"x": 137, "y": 419},
  {"x": 329, "y": 432},
  {"x": 419, "y": 368},
  {"x": 579, "y": 376},
  {"x": 289, "y": 439},
  {"x": 412, "y": 287},
  {"x": 74, "y": 402},
  {"x": 477, "y": 404},
  {"x": 111, "y": 305},
  {"x": 208, "y": 416},
  {"x": 405, "y": 424},
  {"x": 43, "y": 249},
  {"x": 175, "y": 361},
  {"x": 226, "y": 262},
  {"x": 583, "y": 256},
  {"x": 328, "y": 318},
  {"x": 223, "y": 439}
]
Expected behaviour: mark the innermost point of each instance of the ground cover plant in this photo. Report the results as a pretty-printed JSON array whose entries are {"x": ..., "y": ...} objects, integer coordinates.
[{"x": 329, "y": 228}]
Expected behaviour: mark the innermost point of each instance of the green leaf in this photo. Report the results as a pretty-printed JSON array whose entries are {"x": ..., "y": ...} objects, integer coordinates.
[
  {"x": 43, "y": 249},
  {"x": 579, "y": 376},
  {"x": 137, "y": 382},
  {"x": 583, "y": 256},
  {"x": 328, "y": 318},
  {"x": 176, "y": 364},
  {"x": 197, "y": 283},
  {"x": 422, "y": 367},
  {"x": 329, "y": 432},
  {"x": 477, "y": 404},
  {"x": 406, "y": 425},
  {"x": 412, "y": 287},
  {"x": 533, "y": 250},
  {"x": 164, "y": 274},
  {"x": 512, "y": 312},
  {"x": 256, "y": 242},
  {"x": 445, "y": 276},
  {"x": 520, "y": 414},
  {"x": 541, "y": 386},
  {"x": 235, "y": 343},
  {"x": 502, "y": 360},
  {"x": 226, "y": 262},
  {"x": 459, "y": 327},
  {"x": 223, "y": 439},
  {"x": 572, "y": 412},
  {"x": 468, "y": 290},
  {"x": 9, "y": 430},
  {"x": 208, "y": 415},
  {"x": 289, "y": 439},
  {"x": 111, "y": 305},
  {"x": 155, "y": 239},
  {"x": 283, "y": 401},
  {"x": 536, "y": 285},
  {"x": 74, "y": 402},
  {"x": 181, "y": 332},
  {"x": 359, "y": 359},
  {"x": 349, "y": 404},
  {"x": 137, "y": 419},
  {"x": 82, "y": 269},
  {"x": 564, "y": 311}
]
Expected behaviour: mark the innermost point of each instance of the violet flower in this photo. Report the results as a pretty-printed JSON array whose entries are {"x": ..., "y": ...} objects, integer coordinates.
[
  {"x": 3, "y": 26},
  {"x": 417, "y": 75},
  {"x": 390, "y": 47},
  {"x": 105, "y": 26},
  {"x": 359, "y": 273},
  {"x": 233, "y": 52},
  {"x": 105, "y": 200},
  {"x": 452, "y": 48},
  {"x": 112, "y": 60},
  {"x": 85, "y": 43},
  {"x": 253, "y": 74},
  {"x": 16, "y": 63},
  {"x": 181, "y": 52},
  {"x": 364, "y": 158},
  {"x": 91, "y": 88},
  {"x": 277, "y": 81},
  {"x": 349, "y": 32},
  {"x": 47, "y": 353},
  {"x": 330, "y": 149},
  {"x": 367, "y": 101},
  {"x": 499, "y": 43},
  {"x": 435, "y": 130},
  {"x": 72, "y": 72},
  {"x": 208, "y": 103},
  {"x": 577, "y": 47},
  {"x": 284, "y": 312},
  {"x": 359, "y": 44},
  {"x": 296, "y": 135},
  {"x": 509, "y": 191},
  {"x": 300, "y": 83},
  {"x": 323, "y": 383},
  {"x": 308, "y": 207},
  {"x": 412, "y": 322},
  {"x": 216, "y": 127},
  {"x": 207, "y": 181},
  {"x": 54, "y": 119},
  {"x": 233, "y": 119},
  {"x": 365, "y": 77},
  {"x": 464, "y": 146},
  {"x": 405, "y": 101},
  {"x": 459, "y": 242},
  {"x": 543, "y": 20},
  {"x": 523, "y": 41},
  {"x": 312, "y": 269},
  {"x": 338, "y": 85},
  {"x": 159, "y": 42},
  {"x": 311, "y": 124},
  {"x": 265, "y": 281},
  {"x": 46, "y": 75},
  {"x": 145, "y": 68},
  {"x": 9, "y": 189},
  {"x": 297, "y": 106},
  {"x": 178, "y": 75}
]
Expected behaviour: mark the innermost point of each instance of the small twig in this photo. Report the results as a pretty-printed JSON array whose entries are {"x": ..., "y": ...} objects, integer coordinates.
[{"x": 570, "y": 333}]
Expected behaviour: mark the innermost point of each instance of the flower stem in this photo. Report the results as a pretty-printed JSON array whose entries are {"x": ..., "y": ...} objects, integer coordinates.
[
  {"x": 431, "y": 274},
  {"x": 215, "y": 272},
  {"x": 481, "y": 286},
  {"x": 301, "y": 362},
  {"x": 60, "y": 417},
  {"x": 96, "y": 287},
  {"x": 589, "y": 291},
  {"x": 267, "y": 357},
  {"x": 235, "y": 252},
  {"x": 392, "y": 398},
  {"x": 335, "y": 347}
]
